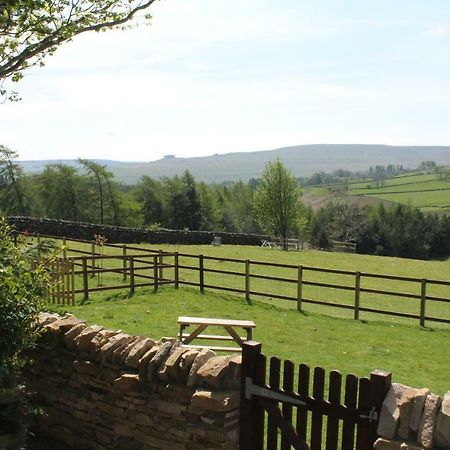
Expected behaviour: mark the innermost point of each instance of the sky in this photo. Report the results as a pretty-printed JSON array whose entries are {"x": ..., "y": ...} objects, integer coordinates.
[{"x": 215, "y": 76}]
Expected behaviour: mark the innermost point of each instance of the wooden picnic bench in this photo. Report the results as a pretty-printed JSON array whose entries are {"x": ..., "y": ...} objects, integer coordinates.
[{"x": 202, "y": 323}]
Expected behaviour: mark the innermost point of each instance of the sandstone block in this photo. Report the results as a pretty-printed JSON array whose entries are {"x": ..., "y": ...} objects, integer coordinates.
[
  {"x": 417, "y": 409},
  {"x": 83, "y": 340},
  {"x": 425, "y": 435},
  {"x": 442, "y": 430},
  {"x": 186, "y": 362},
  {"x": 213, "y": 372},
  {"x": 171, "y": 366},
  {"x": 99, "y": 340},
  {"x": 390, "y": 413},
  {"x": 120, "y": 354},
  {"x": 158, "y": 359},
  {"x": 63, "y": 325},
  {"x": 144, "y": 362},
  {"x": 165, "y": 339},
  {"x": 45, "y": 318},
  {"x": 204, "y": 400},
  {"x": 115, "y": 355},
  {"x": 405, "y": 405},
  {"x": 204, "y": 355},
  {"x": 128, "y": 382},
  {"x": 70, "y": 336},
  {"x": 105, "y": 351},
  {"x": 233, "y": 378},
  {"x": 138, "y": 351}
]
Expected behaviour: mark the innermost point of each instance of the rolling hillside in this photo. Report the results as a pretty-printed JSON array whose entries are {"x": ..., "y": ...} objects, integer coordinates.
[
  {"x": 425, "y": 191},
  {"x": 302, "y": 160}
]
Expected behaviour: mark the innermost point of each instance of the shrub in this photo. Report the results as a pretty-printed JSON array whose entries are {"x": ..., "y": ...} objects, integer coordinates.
[{"x": 22, "y": 289}]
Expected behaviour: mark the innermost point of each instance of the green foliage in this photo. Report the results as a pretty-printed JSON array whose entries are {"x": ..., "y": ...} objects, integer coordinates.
[
  {"x": 277, "y": 202},
  {"x": 60, "y": 188},
  {"x": 31, "y": 30},
  {"x": 12, "y": 192},
  {"x": 22, "y": 289}
]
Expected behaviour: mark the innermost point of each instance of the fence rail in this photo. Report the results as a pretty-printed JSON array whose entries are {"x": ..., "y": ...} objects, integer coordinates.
[{"x": 395, "y": 296}]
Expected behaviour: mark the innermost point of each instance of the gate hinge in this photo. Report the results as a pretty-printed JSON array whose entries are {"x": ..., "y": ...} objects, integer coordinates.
[
  {"x": 372, "y": 415},
  {"x": 259, "y": 391}
]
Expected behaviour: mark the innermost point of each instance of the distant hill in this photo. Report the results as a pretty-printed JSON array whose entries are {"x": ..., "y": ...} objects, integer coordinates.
[
  {"x": 302, "y": 160},
  {"x": 426, "y": 190}
]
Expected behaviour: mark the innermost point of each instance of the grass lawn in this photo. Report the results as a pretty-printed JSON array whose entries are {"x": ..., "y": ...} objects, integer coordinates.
[
  {"x": 352, "y": 262},
  {"x": 418, "y": 357}
]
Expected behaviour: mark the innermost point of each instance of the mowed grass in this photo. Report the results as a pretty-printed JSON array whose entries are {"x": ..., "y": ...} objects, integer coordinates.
[
  {"x": 366, "y": 264},
  {"x": 418, "y": 357},
  {"x": 320, "y": 335}
]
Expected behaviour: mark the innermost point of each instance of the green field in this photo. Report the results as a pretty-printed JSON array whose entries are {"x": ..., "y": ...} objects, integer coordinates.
[
  {"x": 366, "y": 264},
  {"x": 415, "y": 356},
  {"x": 311, "y": 336},
  {"x": 422, "y": 190}
]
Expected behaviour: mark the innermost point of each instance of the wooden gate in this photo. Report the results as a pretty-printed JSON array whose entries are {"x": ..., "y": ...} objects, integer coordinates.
[
  {"x": 283, "y": 413},
  {"x": 62, "y": 290}
]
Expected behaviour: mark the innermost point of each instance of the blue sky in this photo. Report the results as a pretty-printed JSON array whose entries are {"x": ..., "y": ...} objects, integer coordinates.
[{"x": 215, "y": 76}]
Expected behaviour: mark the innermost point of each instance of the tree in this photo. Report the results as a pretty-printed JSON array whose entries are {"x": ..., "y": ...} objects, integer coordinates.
[
  {"x": 149, "y": 194},
  {"x": 59, "y": 189},
  {"x": 30, "y": 30},
  {"x": 277, "y": 201},
  {"x": 104, "y": 187},
  {"x": 12, "y": 192}
]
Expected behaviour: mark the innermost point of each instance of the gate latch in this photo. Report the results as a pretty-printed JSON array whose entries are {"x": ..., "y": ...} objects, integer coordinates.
[{"x": 372, "y": 415}]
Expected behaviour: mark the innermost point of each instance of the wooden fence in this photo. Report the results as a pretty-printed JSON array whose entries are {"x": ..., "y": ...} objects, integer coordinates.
[
  {"x": 355, "y": 292},
  {"x": 134, "y": 271},
  {"x": 287, "y": 412}
]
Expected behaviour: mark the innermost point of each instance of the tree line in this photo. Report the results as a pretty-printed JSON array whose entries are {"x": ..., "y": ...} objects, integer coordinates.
[{"x": 271, "y": 204}]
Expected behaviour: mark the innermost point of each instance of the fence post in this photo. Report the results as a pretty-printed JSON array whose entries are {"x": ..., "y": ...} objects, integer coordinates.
[
  {"x": 161, "y": 265},
  {"x": 53, "y": 277},
  {"x": 124, "y": 256},
  {"x": 58, "y": 278},
  {"x": 247, "y": 280},
  {"x": 64, "y": 248},
  {"x": 93, "y": 258},
  {"x": 357, "y": 294},
  {"x": 176, "y": 270},
  {"x": 85, "y": 279},
  {"x": 201, "y": 274},
  {"x": 15, "y": 238},
  {"x": 155, "y": 273},
  {"x": 249, "y": 407},
  {"x": 131, "y": 274},
  {"x": 423, "y": 299},
  {"x": 299, "y": 287},
  {"x": 68, "y": 293},
  {"x": 72, "y": 271},
  {"x": 380, "y": 382}
]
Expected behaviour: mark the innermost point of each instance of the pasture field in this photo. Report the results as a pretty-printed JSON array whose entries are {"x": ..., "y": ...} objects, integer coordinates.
[
  {"x": 425, "y": 191},
  {"x": 319, "y": 335},
  {"x": 416, "y": 356},
  {"x": 365, "y": 264}
]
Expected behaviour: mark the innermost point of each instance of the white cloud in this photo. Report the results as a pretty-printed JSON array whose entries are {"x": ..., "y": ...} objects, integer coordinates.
[{"x": 438, "y": 30}]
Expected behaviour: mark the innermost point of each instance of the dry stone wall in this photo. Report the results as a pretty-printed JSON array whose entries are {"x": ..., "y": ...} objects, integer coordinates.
[
  {"x": 104, "y": 389},
  {"x": 414, "y": 419},
  {"x": 82, "y": 230}
]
